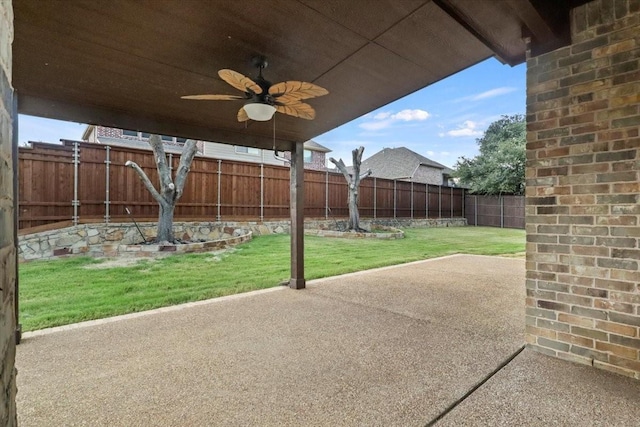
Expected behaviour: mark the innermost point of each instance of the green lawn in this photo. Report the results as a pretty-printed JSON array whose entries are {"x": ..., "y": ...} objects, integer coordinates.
[{"x": 65, "y": 291}]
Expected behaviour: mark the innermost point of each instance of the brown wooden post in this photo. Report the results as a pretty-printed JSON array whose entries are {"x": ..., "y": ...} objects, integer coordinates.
[
  {"x": 297, "y": 217},
  {"x": 16, "y": 209}
]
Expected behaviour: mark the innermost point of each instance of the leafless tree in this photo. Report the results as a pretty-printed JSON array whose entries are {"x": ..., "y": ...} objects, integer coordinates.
[
  {"x": 353, "y": 180},
  {"x": 170, "y": 189}
]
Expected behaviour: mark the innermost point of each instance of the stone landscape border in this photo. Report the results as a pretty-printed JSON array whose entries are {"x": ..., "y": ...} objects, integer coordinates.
[
  {"x": 105, "y": 240},
  {"x": 379, "y": 232}
]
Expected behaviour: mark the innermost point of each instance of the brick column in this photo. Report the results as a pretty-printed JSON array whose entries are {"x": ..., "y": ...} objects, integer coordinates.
[
  {"x": 583, "y": 191},
  {"x": 7, "y": 243}
]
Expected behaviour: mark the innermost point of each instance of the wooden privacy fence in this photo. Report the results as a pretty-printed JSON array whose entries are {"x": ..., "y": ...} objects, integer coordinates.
[
  {"x": 495, "y": 211},
  {"x": 83, "y": 182}
]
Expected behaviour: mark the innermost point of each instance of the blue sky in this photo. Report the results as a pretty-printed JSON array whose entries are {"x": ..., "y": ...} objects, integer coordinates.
[{"x": 441, "y": 121}]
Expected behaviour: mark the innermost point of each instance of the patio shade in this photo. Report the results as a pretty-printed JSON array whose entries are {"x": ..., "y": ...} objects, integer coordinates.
[{"x": 125, "y": 63}]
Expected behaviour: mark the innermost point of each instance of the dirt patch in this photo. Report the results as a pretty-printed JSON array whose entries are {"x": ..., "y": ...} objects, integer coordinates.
[
  {"x": 117, "y": 263},
  {"x": 215, "y": 256}
]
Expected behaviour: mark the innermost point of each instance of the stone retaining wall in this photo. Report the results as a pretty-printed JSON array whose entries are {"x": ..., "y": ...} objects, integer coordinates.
[
  {"x": 135, "y": 251},
  {"x": 91, "y": 238},
  {"x": 382, "y": 233}
]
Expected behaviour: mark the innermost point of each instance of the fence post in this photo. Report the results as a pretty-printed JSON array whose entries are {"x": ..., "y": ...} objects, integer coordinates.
[
  {"x": 394, "y": 199},
  {"x": 426, "y": 201},
  {"x": 464, "y": 205},
  {"x": 75, "y": 202},
  {"x": 326, "y": 194},
  {"x": 501, "y": 211},
  {"x": 412, "y": 200},
  {"x": 107, "y": 201},
  {"x": 261, "y": 191},
  {"x": 451, "y": 202},
  {"x": 476, "y": 209},
  {"x": 440, "y": 202},
  {"x": 218, "y": 217},
  {"x": 375, "y": 198}
]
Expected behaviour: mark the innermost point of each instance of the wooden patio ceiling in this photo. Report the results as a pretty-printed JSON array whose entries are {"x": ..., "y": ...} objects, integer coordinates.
[{"x": 125, "y": 63}]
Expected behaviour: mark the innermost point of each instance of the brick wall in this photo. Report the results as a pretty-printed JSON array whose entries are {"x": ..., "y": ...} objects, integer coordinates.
[
  {"x": 7, "y": 243},
  {"x": 583, "y": 191},
  {"x": 318, "y": 160}
]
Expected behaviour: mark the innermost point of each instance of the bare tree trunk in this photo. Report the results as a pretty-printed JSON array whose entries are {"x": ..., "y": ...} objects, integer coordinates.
[
  {"x": 354, "y": 214},
  {"x": 165, "y": 223},
  {"x": 169, "y": 192},
  {"x": 353, "y": 182}
]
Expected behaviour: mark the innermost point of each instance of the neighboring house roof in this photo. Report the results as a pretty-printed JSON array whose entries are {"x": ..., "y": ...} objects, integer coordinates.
[
  {"x": 398, "y": 163},
  {"x": 310, "y": 145},
  {"x": 314, "y": 146},
  {"x": 87, "y": 132},
  {"x": 137, "y": 143}
]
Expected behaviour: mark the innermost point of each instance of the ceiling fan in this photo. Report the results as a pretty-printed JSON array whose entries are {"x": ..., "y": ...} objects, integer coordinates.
[{"x": 263, "y": 99}]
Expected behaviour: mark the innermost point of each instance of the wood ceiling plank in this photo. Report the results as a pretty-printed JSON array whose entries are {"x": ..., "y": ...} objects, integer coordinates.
[
  {"x": 439, "y": 46},
  {"x": 370, "y": 19},
  {"x": 367, "y": 73},
  {"x": 128, "y": 61}
]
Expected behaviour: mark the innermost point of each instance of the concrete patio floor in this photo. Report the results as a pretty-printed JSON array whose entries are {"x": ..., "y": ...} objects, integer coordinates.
[{"x": 390, "y": 347}]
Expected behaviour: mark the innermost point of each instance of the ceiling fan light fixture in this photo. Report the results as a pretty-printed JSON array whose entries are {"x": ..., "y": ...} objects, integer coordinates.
[{"x": 259, "y": 112}]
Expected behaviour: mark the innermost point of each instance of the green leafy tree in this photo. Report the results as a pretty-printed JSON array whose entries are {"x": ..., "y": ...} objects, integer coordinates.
[{"x": 500, "y": 166}]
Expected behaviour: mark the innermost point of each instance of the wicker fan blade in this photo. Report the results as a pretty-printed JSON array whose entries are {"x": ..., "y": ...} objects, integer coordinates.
[
  {"x": 239, "y": 81},
  {"x": 299, "y": 109},
  {"x": 213, "y": 97},
  {"x": 293, "y": 91},
  {"x": 242, "y": 115}
]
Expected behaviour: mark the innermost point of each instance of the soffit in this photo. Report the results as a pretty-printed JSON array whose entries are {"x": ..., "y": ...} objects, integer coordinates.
[{"x": 125, "y": 63}]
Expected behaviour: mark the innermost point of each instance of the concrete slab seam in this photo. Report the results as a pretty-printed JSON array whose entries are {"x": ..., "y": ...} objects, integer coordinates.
[{"x": 475, "y": 388}]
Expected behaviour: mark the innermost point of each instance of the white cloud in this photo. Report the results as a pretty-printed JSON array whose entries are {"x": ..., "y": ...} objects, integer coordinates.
[
  {"x": 468, "y": 128},
  {"x": 431, "y": 153},
  {"x": 382, "y": 116},
  {"x": 411, "y": 115},
  {"x": 385, "y": 119},
  {"x": 491, "y": 93}
]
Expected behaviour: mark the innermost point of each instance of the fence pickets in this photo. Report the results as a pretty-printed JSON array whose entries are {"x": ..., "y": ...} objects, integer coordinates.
[
  {"x": 83, "y": 182},
  {"x": 495, "y": 211}
]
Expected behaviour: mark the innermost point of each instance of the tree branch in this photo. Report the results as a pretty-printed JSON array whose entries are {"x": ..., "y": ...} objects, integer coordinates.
[
  {"x": 164, "y": 172},
  {"x": 189, "y": 151},
  {"x": 366, "y": 174},
  {"x": 146, "y": 181},
  {"x": 342, "y": 168}
]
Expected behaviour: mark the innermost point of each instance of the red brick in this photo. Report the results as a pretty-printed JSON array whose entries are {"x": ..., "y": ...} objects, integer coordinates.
[
  {"x": 617, "y": 328},
  {"x": 627, "y": 353},
  {"x": 614, "y": 48},
  {"x": 625, "y": 363},
  {"x": 589, "y": 106},
  {"x": 616, "y": 220},
  {"x": 576, "y": 320},
  {"x": 540, "y": 332},
  {"x": 587, "y": 87},
  {"x": 586, "y": 199},
  {"x": 617, "y": 113},
  {"x": 575, "y": 339},
  {"x": 579, "y": 119},
  {"x": 590, "y": 189},
  {"x": 612, "y": 305}
]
